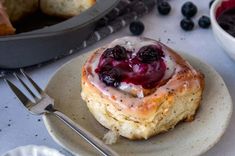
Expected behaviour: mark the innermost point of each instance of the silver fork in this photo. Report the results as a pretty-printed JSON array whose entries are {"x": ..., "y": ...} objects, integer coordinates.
[{"x": 45, "y": 104}]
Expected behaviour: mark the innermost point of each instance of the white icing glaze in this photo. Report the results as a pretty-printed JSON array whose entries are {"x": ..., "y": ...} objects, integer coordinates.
[{"x": 124, "y": 93}]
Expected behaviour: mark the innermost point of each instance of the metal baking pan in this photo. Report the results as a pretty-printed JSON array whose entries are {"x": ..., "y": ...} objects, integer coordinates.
[{"x": 40, "y": 45}]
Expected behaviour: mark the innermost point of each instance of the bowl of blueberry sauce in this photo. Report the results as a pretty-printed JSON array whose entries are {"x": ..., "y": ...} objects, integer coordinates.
[{"x": 223, "y": 24}]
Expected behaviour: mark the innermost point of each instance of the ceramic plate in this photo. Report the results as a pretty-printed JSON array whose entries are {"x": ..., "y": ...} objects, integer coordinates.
[{"x": 190, "y": 138}]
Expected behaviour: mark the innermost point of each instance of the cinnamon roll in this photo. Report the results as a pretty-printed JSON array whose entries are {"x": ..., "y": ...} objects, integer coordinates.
[{"x": 139, "y": 87}]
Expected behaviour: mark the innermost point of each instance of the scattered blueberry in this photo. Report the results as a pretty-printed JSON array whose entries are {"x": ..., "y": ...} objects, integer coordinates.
[
  {"x": 110, "y": 77},
  {"x": 187, "y": 24},
  {"x": 189, "y": 9},
  {"x": 164, "y": 8},
  {"x": 211, "y": 2},
  {"x": 204, "y": 22},
  {"x": 148, "y": 54},
  {"x": 136, "y": 27},
  {"x": 118, "y": 53}
]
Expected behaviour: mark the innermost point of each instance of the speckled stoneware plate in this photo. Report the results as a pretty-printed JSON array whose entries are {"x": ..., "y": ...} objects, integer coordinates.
[{"x": 187, "y": 139}]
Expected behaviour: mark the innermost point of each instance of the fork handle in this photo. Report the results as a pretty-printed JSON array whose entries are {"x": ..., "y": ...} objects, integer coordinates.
[{"x": 95, "y": 142}]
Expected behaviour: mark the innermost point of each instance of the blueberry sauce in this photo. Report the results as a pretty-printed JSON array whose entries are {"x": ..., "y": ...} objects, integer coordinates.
[
  {"x": 145, "y": 68},
  {"x": 227, "y": 20}
]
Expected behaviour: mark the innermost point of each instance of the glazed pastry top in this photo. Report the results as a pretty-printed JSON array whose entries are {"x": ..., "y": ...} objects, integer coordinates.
[{"x": 166, "y": 71}]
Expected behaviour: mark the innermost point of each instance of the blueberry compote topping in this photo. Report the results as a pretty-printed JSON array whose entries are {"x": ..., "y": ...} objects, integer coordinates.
[
  {"x": 148, "y": 54},
  {"x": 117, "y": 53},
  {"x": 110, "y": 76},
  {"x": 145, "y": 68}
]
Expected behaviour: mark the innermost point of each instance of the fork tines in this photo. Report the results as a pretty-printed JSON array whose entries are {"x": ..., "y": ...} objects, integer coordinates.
[{"x": 21, "y": 96}]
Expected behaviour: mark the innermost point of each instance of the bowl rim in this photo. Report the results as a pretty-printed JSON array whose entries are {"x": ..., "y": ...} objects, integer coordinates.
[{"x": 214, "y": 22}]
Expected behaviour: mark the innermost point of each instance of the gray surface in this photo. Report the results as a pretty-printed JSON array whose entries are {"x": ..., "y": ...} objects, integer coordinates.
[
  {"x": 199, "y": 43},
  {"x": 44, "y": 44}
]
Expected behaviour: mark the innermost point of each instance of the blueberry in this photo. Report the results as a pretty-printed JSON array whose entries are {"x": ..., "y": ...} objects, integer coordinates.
[
  {"x": 189, "y": 9},
  {"x": 118, "y": 53},
  {"x": 164, "y": 8},
  {"x": 187, "y": 24},
  {"x": 204, "y": 22},
  {"x": 148, "y": 54},
  {"x": 110, "y": 77},
  {"x": 211, "y": 2},
  {"x": 136, "y": 27}
]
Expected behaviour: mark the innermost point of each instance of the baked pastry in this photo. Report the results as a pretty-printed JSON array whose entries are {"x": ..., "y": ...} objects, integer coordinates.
[
  {"x": 13, "y": 11},
  {"x": 65, "y": 8},
  {"x": 18, "y": 9},
  {"x": 6, "y": 27},
  {"x": 138, "y": 87}
]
